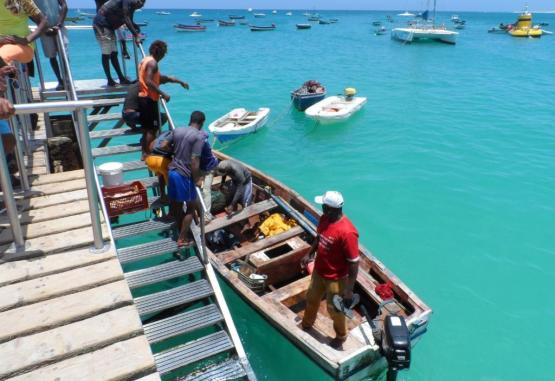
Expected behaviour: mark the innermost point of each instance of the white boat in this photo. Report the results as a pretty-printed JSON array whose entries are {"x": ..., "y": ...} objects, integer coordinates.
[
  {"x": 249, "y": 10},
  {"x": 239, "y": 122},
  {"x": 163, "y": 13},
  {"x": 259, "y": 15},
  {"x": 455, "y": 18},
  {"x": 274, "y": 12},
  {"x": 195, "y": 14},
  {"x": 289, "y": 14},
  {"x": 406, "y": 14},
  {"x": 335, "y": 108},
  {"x": 424, "y": 29}
]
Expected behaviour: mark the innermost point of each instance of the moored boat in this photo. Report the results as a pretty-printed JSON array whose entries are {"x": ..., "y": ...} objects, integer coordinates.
[
  {"x": 239, "y": 122},
  {"x": 314, "y": 18},
  {"x": 195, "y": 14},
  {"x": 324, "y": 22},
  {"x": 309, "y": 93},
  {"x": 336, "y": 108},
  {"x": 333, "y": 21},
  {"x": 163, "y": 13},
  {"x": 380, "y": 31},
  {"x": 258, "y": 28},
  {"x": 377, "y": 23},
  {"x": 497, "y": 30},
  {"x": 236, "y": 17},
  {"x": 204, "y": 21},
  {"x": 264, "y": 267},
  {"x": 289, "y": 14},
  {"x": 226, "y": 23},
  {"x": 303, "y": 26},
  {"x": 189, "y": 28},
  {"x": 524, "y": 26},
  {"x": 259, "y": 15}
]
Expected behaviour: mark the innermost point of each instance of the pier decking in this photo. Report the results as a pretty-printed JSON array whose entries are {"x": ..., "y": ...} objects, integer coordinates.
[{"x": 67, "y": 314}]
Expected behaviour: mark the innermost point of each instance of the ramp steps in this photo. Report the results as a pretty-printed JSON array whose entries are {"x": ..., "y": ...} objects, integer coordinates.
[
  {"x": 96, "y": 118},
  {"x": 123, "y": 131},
  {"x": 227, "y": 370},
  {"x": 141, "y": 228},
  {"x": 116, "y": 150},
  {"x": 193, "y": 351},
  {"x": 183, "y": 323},
  {"x": 147, "y": 250},
  {"x": 160, "y": 273},
  {"x": 160, "y": 301}
]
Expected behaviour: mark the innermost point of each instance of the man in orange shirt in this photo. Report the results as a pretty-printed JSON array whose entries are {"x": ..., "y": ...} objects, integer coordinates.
[
  {"x": 335, "y": 266},
  {"x": 150, "y": 79}
]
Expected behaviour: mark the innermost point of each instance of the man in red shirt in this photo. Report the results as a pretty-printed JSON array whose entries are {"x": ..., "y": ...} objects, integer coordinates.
[{"x": 335, "y": 266}]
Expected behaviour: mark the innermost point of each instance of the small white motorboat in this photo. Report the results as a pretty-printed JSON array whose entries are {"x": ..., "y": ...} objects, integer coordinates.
[
  {"x": 163, "y": 13},
  {"x": 195, "y": 14},
  {"x": 289, "y": 14},
  {"x": 336, "y": 108},
  {"x": 239, "y": 122}
]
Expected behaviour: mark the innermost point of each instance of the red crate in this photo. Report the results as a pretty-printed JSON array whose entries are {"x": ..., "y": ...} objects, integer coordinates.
[{"x": 122, "y": 199}]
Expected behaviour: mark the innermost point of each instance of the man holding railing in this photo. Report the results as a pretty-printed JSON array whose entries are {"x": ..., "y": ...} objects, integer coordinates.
[{"x": 55, "y": 12}]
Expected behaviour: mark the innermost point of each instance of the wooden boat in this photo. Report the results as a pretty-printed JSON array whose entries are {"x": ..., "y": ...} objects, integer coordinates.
[
  {"x": 335, "y": 108},
  {"x": 257, "y": 28},
  {"x": 239, "y": 122},
  {"x": 303, "y": 26},
  {"x": 236, "y": 17},
  {"x": 278, "y": 287},
  {"x": 226, "y": 23},
  {"x": 334, "y": 21},
  {"x": 324, "y": 22},
  {"x": 309, "y": 93},
  {"x": 189, "y": 28},
  {"x": 314, "y": 18},
  {"x": 259, "y": 15},
  {"x": 204, "y": 21}
]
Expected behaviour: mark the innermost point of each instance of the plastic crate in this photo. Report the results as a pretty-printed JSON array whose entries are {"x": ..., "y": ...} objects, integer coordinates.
[{"x": 122, "y": 199}]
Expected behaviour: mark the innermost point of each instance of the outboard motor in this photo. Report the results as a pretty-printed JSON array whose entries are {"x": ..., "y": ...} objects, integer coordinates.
[
  {"x": 349, "y": 93},
  {"x": 396, "y": 345}
]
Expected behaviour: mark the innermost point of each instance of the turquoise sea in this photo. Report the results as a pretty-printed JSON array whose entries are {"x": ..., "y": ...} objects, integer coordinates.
[{"x": 448, "y": 172}]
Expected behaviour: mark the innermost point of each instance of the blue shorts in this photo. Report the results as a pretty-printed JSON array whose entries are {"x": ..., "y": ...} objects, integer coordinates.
[
  {"x": 5, "y": 128},
  {"x": 181, "y": 188}
]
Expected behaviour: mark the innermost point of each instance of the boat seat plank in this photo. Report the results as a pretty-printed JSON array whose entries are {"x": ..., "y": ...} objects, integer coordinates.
[
  {"x": 51, "y": 313},
  {"x": 289, "y": 290},
  {"x": 249, "y": 211},
  {"x": 19, "y": 271},
  {"x": 68, "y": 340},
  {"x": 51, "y": 286},
  {"x": 120, "y": 361},
  {"x": 232, "y": 255}
]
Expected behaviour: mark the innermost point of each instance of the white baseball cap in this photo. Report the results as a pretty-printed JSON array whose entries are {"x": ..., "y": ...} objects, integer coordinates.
[{"x": 332, "y": 199}]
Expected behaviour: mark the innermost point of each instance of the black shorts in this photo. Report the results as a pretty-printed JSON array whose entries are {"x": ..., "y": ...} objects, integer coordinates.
[
  {"x": 149, "y": 113},
  {"x": 131, "y": 118}
]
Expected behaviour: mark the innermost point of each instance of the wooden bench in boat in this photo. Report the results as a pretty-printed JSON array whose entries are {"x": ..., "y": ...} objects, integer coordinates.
[{"x": 248, "y": 212}]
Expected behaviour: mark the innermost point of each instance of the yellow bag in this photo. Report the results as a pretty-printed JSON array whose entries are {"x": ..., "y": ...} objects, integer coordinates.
[{"x": 276, "y": 224}]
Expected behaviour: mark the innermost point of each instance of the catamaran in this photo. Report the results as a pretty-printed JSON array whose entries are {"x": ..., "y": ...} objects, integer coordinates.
[{"x": 425, "y": 29}]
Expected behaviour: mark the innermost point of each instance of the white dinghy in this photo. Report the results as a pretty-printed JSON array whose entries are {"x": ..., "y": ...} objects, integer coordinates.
[
  {"x": 239, "y": 122},
  {"x": 336, "y": 108}
]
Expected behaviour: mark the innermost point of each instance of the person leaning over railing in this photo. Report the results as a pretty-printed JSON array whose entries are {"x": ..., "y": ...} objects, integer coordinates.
[{"x": 16, "y": 39}]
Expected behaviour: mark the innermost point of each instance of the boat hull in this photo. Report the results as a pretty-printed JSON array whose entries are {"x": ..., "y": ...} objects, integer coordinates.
[
  {"x": 335, "y": 109},
  {"x": 229, "y": 128},
  {"x": 282, "y": 305},
  {"x": 409, "y": 35},
  {"x": 304, "y": 101}
]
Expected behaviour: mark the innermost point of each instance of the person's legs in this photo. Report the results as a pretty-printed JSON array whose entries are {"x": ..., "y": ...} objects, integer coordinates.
[
  {"x": 50, "y": 49},
  {"x": 115, "y": 63},
  {"x": 106, "y": 67},
  {"x": 339, "y": 320},
  {"x": 104, "y": 38},
  {"x": 56, "y": 70},
  {"x": 314, "y": 296}
]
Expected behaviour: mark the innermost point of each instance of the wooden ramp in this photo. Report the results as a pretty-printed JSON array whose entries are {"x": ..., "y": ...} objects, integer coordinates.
[{"x": 67, "y": 314}]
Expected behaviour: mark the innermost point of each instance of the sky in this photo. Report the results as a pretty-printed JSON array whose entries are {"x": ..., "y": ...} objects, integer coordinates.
[{"x": 447, "y": 5}]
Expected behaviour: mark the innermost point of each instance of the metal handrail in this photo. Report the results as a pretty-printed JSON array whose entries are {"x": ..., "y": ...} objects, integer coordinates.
[
  {"x": 9, "y": 200},
  {"x": 218, "y": 294}
]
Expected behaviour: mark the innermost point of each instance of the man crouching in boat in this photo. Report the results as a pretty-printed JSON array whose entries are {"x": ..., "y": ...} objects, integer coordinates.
[
  {"x": 242, "y": 183},
  {"x": 335, "y": 266}
]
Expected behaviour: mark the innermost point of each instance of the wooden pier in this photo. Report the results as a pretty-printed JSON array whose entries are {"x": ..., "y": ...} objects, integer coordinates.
[{"x": 67, "y": 314}]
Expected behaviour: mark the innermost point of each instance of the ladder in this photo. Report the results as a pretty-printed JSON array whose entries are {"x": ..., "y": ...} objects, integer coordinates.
[{"x": 176, "y": 292}]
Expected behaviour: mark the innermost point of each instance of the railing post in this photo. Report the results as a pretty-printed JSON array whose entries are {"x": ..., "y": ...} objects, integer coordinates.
[
  {"x": 9, "y": 200},
  {"x": 86, "y": 155},
  {"x": 18, "y": 148},
  {"x": 202, "y": 227}
]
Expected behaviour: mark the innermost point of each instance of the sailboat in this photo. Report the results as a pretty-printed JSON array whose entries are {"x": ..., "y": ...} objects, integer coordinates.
[{"x": 425, "y": 30}]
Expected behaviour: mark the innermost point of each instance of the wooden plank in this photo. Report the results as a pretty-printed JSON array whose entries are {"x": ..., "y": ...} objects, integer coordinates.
[
  {"x": 57, "y": 243},
  {"x": 36, "y": 171},
  {"x": 48, "y": 213},
  {"x": 53, "y": 226},
  {"x": 284, "y": 268},
  {"x": 150, "y": 377},
  {"x": 58, "y": 177},
  {"x": 51, "y": 200},
  {"x": 51, "y": 286},
  {"x": 289, "y": 290},
  {"x": 120, "y": 361},
  {"x": 19, "y": 271},
  {"x": 87, "y": 335},
  {"x": 232, "y": 255},
  {"x": 51, "y": 313},
  {"x": 49, "y": 189},
  {"x": 248, "y": 212}
]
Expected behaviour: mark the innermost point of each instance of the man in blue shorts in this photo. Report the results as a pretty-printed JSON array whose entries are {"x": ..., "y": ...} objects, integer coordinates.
[{"x": 184, "y": 174}]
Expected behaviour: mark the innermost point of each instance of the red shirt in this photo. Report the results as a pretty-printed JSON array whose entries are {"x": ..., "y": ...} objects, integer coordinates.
[{"x": 337, "y": 247}]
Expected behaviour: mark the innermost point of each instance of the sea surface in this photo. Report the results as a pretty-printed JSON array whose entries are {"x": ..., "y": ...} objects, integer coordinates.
[{"x": 448, "y": 172}]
